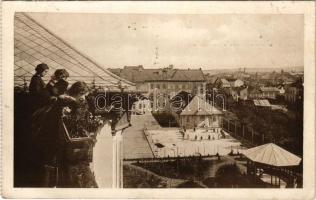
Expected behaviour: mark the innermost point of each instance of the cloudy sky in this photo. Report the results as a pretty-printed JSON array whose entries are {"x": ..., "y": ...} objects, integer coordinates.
[{"x": 207, "y": 41}]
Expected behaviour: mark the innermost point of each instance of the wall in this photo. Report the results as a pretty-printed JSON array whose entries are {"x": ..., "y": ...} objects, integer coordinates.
[{"x": 102, "y": 164}]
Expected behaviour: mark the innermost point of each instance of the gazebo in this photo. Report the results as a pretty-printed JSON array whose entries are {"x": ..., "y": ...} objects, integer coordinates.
[{"x": 273, "y": 160}]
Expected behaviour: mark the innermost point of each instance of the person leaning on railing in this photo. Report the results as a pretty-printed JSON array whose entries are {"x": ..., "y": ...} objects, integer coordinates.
[{"x": 50, "y": 138}]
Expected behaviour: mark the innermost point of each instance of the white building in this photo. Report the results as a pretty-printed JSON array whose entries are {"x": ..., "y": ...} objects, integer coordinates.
[{"x": 142, "y": 107}]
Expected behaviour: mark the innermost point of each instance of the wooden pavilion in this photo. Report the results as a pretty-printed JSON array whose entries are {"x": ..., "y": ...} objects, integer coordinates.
[{"x": 275, "y": 161}]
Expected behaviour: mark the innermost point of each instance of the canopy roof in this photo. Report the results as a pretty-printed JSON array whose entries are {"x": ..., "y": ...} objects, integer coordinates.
[
  {"x": 33, "y": 44},
  {"x": 261, "y": 102},
  {"x": 199, "y": 106},
  {"x": 272, "y": 154}
]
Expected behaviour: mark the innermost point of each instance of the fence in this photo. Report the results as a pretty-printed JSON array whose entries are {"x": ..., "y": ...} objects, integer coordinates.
[{"x": 243, "y": 132}]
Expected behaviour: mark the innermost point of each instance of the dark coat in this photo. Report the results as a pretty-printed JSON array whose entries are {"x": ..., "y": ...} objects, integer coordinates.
[
  {"x": 38, "y": 92},
  {"x": 56, "y": 89},
  {"x": 48, "y": 131},
  {"x": 37, "y": 85},
  {"x": 51, "y": 141}
]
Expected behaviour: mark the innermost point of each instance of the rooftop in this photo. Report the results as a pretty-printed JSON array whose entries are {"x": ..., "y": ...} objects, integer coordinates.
[
  {"x": 138, "y": 74},
  {"x": 271, "y": 154},
  {"x": 199, "y": 106}
]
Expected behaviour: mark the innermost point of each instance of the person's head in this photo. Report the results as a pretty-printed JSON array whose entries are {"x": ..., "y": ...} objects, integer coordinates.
[
  {"x": 61, "y": 74},
  {"x": 78, "y": 90},
  {"x": 41, "y": 69}
]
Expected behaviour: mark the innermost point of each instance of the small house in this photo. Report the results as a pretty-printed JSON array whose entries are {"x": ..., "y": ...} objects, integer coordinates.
[{"x": 199, "y": 113}]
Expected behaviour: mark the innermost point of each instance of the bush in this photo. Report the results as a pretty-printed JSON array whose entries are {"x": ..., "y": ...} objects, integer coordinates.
[{"x": 227, "y": 176}]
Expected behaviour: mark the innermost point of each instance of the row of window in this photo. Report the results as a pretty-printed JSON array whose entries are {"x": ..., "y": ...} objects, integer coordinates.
[
  {"x": 202, "y": 117},
  {"x": 175, "y": 86}
]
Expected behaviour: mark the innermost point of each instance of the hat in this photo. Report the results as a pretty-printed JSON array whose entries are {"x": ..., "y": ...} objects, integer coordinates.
[{"x": 41, "y": 67}]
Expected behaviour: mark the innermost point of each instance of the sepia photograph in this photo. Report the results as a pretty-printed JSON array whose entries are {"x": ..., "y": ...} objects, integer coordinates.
[
  {"x": 160, "y": 100},
  {"x": 209, "y": 107}
]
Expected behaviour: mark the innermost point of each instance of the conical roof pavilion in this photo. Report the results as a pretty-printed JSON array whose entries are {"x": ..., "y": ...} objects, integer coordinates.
[{"x": 271, "y": 154}]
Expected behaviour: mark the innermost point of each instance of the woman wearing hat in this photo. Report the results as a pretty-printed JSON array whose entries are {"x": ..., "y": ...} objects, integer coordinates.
[{"x": 37, "y": 86}]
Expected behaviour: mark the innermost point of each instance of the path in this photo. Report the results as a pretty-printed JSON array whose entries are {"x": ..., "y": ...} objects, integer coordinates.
[{"x": 135, "y": 144}]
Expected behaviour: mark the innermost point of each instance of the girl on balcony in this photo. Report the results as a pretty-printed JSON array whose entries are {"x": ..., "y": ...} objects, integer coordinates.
[
  {"x": 51, "y": 138},
  {"x": 58, "y": 84}
]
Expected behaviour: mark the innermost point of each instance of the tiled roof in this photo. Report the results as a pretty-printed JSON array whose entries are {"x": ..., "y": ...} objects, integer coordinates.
[
  {"x": 180, "y": 101},
  {"x": 139, "y": 67},
  {"x": 198, "y": 106},
  {"x": 137, "y": 74},
  {"x": 224, "y": 81},
  {"x": 33, "y": 44}
]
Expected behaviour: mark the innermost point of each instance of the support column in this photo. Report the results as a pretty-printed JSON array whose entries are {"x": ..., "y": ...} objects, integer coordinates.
[
  {"x": 155, "y": 92},
  {"x": 103, "y": 157},
  {"x": 243, "y": 131},
  {"x": 117, "y": 160},
  {"x": 228, "y": 125},
  {"x": 252, "y": 135}
]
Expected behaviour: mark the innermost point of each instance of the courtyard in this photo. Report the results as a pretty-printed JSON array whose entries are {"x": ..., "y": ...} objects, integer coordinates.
[{"x": 169, "y": 142}]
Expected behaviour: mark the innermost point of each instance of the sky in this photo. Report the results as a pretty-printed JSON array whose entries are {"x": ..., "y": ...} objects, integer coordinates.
[{"x": 208, "y": 41}]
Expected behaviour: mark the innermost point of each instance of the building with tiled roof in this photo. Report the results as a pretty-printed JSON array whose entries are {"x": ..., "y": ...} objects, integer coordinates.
[
  {"x": 166, "y": 80},
  {"x": 200, "y": 113},
  {"x": 34, "y": 44}
]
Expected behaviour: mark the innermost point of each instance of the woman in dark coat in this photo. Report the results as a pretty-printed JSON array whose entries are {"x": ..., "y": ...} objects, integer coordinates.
[
  {"x": 37, "y": 87},
  {"x": 50, "y": 136}
]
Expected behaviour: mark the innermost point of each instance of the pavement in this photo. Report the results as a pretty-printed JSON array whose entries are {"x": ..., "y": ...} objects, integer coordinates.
[{"x": 135, "y": 144}]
